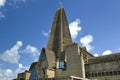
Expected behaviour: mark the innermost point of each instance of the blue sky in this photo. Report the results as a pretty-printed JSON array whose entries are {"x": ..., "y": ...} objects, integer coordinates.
[{"x": 25, "y": 27}]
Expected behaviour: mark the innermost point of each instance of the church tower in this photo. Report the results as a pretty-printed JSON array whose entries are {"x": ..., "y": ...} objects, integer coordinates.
[
  {"x": 60, "y": 35},
  {"x": 66, "y": 52},
  {"x": 61, "y": 59}
]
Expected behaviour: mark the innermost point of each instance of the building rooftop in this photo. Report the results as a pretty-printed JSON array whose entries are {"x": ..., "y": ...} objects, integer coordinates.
[
  {"x": 32, "y": 66},
  {"x": 105, "y": 58}
]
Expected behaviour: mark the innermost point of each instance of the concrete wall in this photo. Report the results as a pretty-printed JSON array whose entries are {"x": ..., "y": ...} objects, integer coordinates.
[
  {"x": 103, "y": 66},
  {"x": 21, "y": 75},
  {"x": 50, "y": 73},
  {"x": 27, "y": 76},
  {"x": 104, "y": 70},
  {"x": 74, "y": 63}
]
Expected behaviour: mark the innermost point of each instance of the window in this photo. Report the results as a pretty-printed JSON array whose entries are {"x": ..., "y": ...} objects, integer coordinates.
[
  {"x": 118, "y": 72},
  {"x": 33, "y": 75},
  {"x": 115, "y": 72},
  {"x": 99, "y": 74},
  {"x": 44, "y": 56},
  {"x": 110, "y": 73},
  {"x": 103, "y": 73},
  {"x": 107, "y": 73},
  {"x": 62, "y": 65}
]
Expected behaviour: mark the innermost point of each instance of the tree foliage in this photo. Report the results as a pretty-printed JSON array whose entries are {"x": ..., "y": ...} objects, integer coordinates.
[{"x": 21, "y": 79}]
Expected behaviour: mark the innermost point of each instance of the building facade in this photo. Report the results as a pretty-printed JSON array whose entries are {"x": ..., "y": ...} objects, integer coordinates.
[
  {"x": 24, "y": 76},
  {"x": 104, "y": 67},
  {"x": 63, "y": 59}
]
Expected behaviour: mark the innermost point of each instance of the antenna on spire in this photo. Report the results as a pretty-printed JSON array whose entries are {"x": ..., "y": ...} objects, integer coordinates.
[{"x": 61, "y": 4}]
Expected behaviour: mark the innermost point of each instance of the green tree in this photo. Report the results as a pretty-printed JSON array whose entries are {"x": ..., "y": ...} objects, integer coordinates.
[{"x": 21, "y": 79}]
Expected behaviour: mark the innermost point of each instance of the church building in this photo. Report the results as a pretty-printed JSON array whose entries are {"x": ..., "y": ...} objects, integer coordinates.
[{"x": 63, "y": 59}]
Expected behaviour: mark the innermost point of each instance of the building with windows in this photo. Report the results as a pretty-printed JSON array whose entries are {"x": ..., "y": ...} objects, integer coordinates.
[
  {"x": 63, "y": 59},
  {"x": 104, "y": 67},
  {"x": 33, "y": 71}
]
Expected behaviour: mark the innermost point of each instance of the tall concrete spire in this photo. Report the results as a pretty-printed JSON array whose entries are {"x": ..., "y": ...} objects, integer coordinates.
[{"x": 60, "y": 35}]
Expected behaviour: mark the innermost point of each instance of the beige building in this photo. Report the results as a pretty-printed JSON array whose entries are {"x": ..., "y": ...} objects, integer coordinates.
[
  {"x": 24, "y": 76},
  {"x": 104, "y": 67},
  {"x": 63, "y": 59}
]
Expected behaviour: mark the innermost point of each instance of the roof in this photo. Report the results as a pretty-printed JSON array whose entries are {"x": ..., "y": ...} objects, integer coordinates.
[
  {"x": 105, "y": 58},
  {"x": 86, "y": 52},
  {"x": 32, "y": 66},
  {"x": 50, "y": 56}
]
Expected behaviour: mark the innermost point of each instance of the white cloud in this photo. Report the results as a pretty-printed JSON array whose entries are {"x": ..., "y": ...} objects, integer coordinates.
[
  {"x": 21, "y": 68},
  {"x": 19, "y": 0},
  {"x": 45, "y": 33},
  {"x": 12, "y": 55},
  {"x": 86, "y": 40},
  {"x": 9, "y": 73},
  {"x": 107, "y": 52},
  {"x": 31, "y": 50},
  {"x": 20, "y": 65},
  {"x": 14, "y": 3},
  {"x": 75, "y": 28},
  {"x": 17, "y": 3},
  {"x": 89, "y": 47},
  {"x": 96, "y": 55},
  {"x": 6, "y": 74},
  {"x": 2, "y": 3}
]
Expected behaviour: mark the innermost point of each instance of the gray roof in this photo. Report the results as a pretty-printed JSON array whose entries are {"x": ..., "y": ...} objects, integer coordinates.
[{"x": 105, "y": 58}]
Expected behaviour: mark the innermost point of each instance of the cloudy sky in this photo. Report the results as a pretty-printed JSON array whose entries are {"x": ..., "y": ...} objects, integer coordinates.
[{"x": 25, "y": 27}]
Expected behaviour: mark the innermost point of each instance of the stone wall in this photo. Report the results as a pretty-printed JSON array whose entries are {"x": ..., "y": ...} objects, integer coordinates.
[
  {"x": 74, "y": 63},
  {"x": 27, "y": 75},
  {"x": 104, "y": 70}
]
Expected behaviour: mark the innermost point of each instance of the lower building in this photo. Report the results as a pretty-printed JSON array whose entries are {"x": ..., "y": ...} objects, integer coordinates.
[
  {"x": 24, "y": 76},
  {"x": 104, "y": 67}
]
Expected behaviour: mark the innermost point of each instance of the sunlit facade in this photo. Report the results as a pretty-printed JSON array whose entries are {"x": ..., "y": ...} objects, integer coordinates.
[{"x": 63, "y": 59}]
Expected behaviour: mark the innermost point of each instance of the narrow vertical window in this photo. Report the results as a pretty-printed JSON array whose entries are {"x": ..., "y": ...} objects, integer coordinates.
[
  {"x": 62, "y": 65},
  {"x": 44, "y": 57}
]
